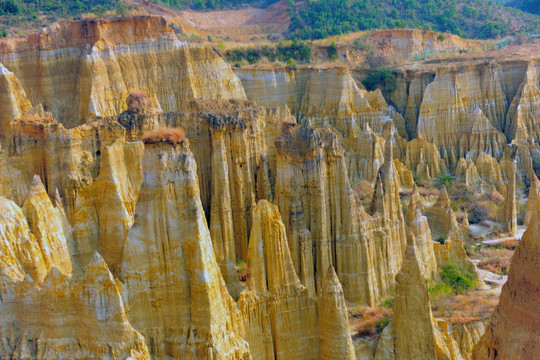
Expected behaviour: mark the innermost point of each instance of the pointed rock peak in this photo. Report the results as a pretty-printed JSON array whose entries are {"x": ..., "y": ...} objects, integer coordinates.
[
  {"x": 388, "y": 129},
  {"x": 389, "y": 151},
  {"x": 377, "y": 203},
  {"x": 410, "y": 264},
  {"x": 97, "y": 268},
  {"x": 55, "y": 278},
  {"x": 58, "y": 201},
  {"x": 443, "y": 200},
  {"x": 462, "y": 162},
  {"x": 3, "y": 70},
  {"x": 269, "y": 259},
  {"x": 334, "y": 331},
  {"x": 410, "y": 240},
  {"x": 465, "y": 221},
  {"x": 37, "y": 186},
  {"x": 97, "y": 260},
  {"x": 534, "y": 181},
  {"x": 28, "y": 279},
  {"x": 477, "y": 110},
  {"x": 412, "y": 208},
  {"x": 368, "y": 129},
  {"x": 482, "y": 155},
  {"x": 331, "y": 277}
]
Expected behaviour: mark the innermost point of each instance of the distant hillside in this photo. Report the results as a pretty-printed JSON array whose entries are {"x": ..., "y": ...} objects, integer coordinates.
[
  {"x": 309, "y": 19},
  {"x": 468, "y": 18},
  {"x": 18, "y": 17},
  {"x": 532, "y": 6},
  {"x": 213, "y": 4}
]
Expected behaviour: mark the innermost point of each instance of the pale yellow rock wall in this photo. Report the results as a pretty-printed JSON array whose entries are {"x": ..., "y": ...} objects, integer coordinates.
[
  {"x": 512, "y": 329},
  {"x": 340, "y": 231},
  {"x": 176, "y": 296},
  {"x": 280, "y": 318},
  {"x": 79, "y": 78}
]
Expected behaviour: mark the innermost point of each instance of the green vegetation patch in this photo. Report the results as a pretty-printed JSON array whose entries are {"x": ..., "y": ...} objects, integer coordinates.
[
  {"x": 469, "y": 18},
  {"x": 382, "y": 78},
  {"x": 458, "y": 277},
  {"x": 286, "y": 52}
]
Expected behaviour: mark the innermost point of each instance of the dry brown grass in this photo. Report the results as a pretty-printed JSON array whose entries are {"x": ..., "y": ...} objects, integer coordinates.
[
  {"x": 168, "y": 135},
  {"x": 428, "y": 192},
  {"x": 495, "y": 260},
  {"x": 496, "y": 196},
  {"x": 368, "y": 321},
  {"x": 137, "y": 102},
  {"x": 472, "y": 306},
  {"x": 364, "y": 190}
]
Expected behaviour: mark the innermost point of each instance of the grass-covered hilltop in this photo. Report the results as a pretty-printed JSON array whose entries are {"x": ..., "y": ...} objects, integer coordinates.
[{"x": 483, "y": 19}]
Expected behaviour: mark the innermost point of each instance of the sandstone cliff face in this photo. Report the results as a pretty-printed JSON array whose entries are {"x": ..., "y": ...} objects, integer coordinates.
[
  {"x": 13, "y": 100},
  {"x": 176, "y": 295},
  {"x": 419, "y": 226},
  {"x": 172, "y": 230},
  {"x": 522, "y": 123},
  {"x": 318, "y": 207},
  {"x": 63, "y": 318},
  {"x": 466, "y": 128},
  {"x": 359, "y": 116},
  {"x": 442, "y": 219},
  {"x": 48, "y": 228},
  {"x": 320, "y": 97},
  {"x": 404, "y": 41},
  {"x": 45, "y": 314},
  {"x": 104, "y": 211},
  {"x": 85, "y": 69},
  {"x": 279, "y": 316},
  {"x": 508, "y": 212},
  {"x": 512, "y": 331},
  {"x": 423, "y": 157},
  {"x": 95, "y": 171},
  {"x": 484, "y": 108},
  {"x": 335, "y": 337},
  {"x": 414, "y": 333},
  {"x": 533, "y": 203},
  {"x": 236, "y": 165},
  {"x": 413, "y": 329}
]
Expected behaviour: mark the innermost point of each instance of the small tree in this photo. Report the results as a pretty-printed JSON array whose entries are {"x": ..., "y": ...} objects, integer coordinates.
[
  {"x": 332, "y": 51},
  {"x": 121, "y": 8},
  {"x": 99, "y": 10}
]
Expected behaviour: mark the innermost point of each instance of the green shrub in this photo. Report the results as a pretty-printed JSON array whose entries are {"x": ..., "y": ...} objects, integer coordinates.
[
  {"x": 381, "y": 324},
  {"x": 384, "y": 78},
  {"x": 11, "y": 7},
  {"x": 389, "y": 303},
  {"x": 458, "y": 277},
  {"x": 299, "y": 52},
  {"x": 440, "y": 289},
  {"x": 444, "y": 179},
  {"x": 291, "y": 64},
  {"x": 332, "y": 51},
  {"x": 121, "y": 8}
]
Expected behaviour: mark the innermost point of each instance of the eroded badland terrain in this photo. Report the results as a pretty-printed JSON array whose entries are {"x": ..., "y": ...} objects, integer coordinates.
[{"x": 157, "y": 201}]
